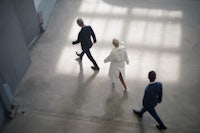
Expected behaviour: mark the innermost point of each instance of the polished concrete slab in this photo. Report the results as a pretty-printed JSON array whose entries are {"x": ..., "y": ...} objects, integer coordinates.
[{"x": 59, "y": 94}]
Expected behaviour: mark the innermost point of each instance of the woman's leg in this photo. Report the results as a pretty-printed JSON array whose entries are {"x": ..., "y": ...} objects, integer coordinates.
[
  {"x": 122, "y": 81},
  {"x": 113, "y": 85}
]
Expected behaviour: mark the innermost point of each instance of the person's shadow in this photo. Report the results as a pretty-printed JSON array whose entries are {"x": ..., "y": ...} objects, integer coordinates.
[
  {"x": 81, "y": 82},
  {"x": 82, "y": 90},
  {"x": 113, "y": 111},
  {"x": 140, "y": 123},
  {"x": 113, "y": 105}
]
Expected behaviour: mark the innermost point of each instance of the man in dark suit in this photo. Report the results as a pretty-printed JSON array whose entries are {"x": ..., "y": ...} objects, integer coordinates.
[
  {"x": 84, "y": 37},
  {"x": 152, "y": 96}
]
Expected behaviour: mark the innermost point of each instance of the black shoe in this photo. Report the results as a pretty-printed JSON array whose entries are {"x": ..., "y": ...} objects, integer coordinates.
[
  {"x": 161, "y": 127},
  {"x": 95, "y": 68},
  {"x": 80, "y": 57},
  {"x": 137, "y": 113},
  {"x": 78, "y": 54}
]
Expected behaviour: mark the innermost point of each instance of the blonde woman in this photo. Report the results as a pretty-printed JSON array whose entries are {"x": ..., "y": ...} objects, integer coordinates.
[{"x": 118, "y": 57}]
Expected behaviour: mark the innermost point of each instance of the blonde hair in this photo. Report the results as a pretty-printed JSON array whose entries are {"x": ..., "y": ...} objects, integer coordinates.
[{"x": 115, "y": 42}]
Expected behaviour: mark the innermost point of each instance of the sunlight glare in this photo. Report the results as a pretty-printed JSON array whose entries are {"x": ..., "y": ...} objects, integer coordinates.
[
  {"x": 119, "y": 11},
  {"x": 166, "y": 64},
  {"x": 175, "y": 14},
  {"x": 66, "y": 64},
  {"x": 99, "y": 27},
  {"x": 169, "y": 67},
  {"x": 156, "y": 13},
  {"x": 147, "y": 35},
  {"x": 139, "y": 11},
  {"x": 103, "y": 8},
  {"x": 136, "y": 32},
  {"x": 88, "y": 7},
  {"x": 148, "y": 62},
  {"x": 172, "y": 36},
  {"x": 113, "y": 28},
  {"x": 73, "y": 31},
  {"x": 153, "y": 35}
]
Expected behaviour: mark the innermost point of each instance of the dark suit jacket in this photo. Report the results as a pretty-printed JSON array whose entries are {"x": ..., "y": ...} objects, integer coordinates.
[
  {"x": 84, "y": 37},
  {"x": 152, "y": 95}
]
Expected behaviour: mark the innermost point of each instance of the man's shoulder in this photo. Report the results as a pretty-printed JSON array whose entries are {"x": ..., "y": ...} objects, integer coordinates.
[
  {"x": 87, "y": 27},
  {"x": 155, "y": 84},
  {"x": 158, "y": 85},
  {"x": 158, "y": 82}
]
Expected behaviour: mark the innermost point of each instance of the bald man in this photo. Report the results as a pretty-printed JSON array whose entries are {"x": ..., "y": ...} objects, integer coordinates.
[{"x": 84, "y": 37}]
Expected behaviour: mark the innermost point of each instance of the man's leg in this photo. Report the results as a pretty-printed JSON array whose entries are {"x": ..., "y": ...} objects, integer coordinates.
[
  {"x": 157, "y": 118},
  {"x": 96, "y": 67},
  {"x": 141, "y": 112},
  {"x": 80, "y": 54}
]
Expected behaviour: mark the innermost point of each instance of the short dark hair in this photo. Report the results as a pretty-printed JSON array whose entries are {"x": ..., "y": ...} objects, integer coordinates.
[{"x": 152, "y": 75}]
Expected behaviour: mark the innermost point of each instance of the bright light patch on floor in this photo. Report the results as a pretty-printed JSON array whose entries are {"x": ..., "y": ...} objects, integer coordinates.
[
  {"x": 99, "y": 25},
  {"x": 172, "y": 36},
  {"x": 100, "y": 7},
  {"x": 136, "y": 32},
  {"x": 169, "y": 67},
  {"x": 66, "y": 63},
  {"x": 87, "y": 7},
  {"x": 149, "y": 34},
  {"x": 103, "y": 8},
  {"x": 148, "y": 61},
  {"x": 139, "y": 11},
  {"x": 153, "y": 34},
  {"x": 73, "y": 31},
  {"x": 156, "y": 13},
  {"x": 113, "y": 28},
  {"x": 166, "y": 64},
  {"x": 175, "y": 14},
  {"x": 119, "y": 11}
]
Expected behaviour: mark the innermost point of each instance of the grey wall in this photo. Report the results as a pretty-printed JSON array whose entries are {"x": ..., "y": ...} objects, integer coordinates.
[
  {"x": 2, "y": 112},
  {"x": 37, "y": 3},
  {"x": 46, "y": 7},
  {"x": 14, "y": 56},
  {"x": 27, "y": 16},
  {"x": 18, "y": 27}
]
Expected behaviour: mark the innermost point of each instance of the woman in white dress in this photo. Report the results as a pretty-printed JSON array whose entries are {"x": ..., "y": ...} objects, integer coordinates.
[{"x": 117, "y": 57}]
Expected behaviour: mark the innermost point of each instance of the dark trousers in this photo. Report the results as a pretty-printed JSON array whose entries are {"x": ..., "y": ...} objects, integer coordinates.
[
  {"x": 89, "y": 55},
  {"x": 153, "y": 113}
]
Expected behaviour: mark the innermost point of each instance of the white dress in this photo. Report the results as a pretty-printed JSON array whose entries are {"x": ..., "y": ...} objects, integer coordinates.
[{"x": 117, "y": 57}]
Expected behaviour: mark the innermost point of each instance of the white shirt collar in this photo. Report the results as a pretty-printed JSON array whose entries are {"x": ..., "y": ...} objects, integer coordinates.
[{"x": 152, "y": 82}]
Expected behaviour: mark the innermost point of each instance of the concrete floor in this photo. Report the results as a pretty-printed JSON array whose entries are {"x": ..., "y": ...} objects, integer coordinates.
[{"x": 60, "y": 95}]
